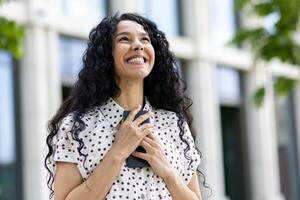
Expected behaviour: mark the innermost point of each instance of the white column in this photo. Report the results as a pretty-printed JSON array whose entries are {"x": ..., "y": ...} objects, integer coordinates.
[
  {"x": 202, "y": 90},
  {"x": 36, "y": 101},
  {"x": 54, "y": 78},
  {"x": 261, "y": 137},
  {"x": 34, "y": 95}
]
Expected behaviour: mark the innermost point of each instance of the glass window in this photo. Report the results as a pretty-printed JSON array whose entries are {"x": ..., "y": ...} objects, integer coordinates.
[
  {"x": 87, "y": 9},
  {"x": 228, "y": 85},
  {"x": 7, "y": 148},
  {"x": 70, "y": 58},
  {"x": 8, "y": 172},
  {"x": 287, "y": 147},
  {"x": 234, "y": 152},
  {"x": 223, "y": 20},
  {"x": 167, "y": 20}
]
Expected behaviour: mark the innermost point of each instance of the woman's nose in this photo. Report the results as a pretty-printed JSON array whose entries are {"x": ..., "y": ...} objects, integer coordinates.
[{"x": 137, "y": 45}]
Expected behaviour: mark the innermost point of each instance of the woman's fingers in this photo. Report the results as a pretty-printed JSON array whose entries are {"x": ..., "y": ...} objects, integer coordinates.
[
  {"x": 130, "y": 117},
  {"x": 132, "y": 132},
  {"x": 141, "y": 155},
  {"x": 153, "y": 154},
  {"x": 146, "y": 146},
  {"x": 149, "y": 150},
  {"x": 150, "y": 145},
  {"x": 150, "y": 141},
  {"x": 146, "y": 129},
  {"x": 153, "y": 137},
  {"x": 142, "y": 118}
]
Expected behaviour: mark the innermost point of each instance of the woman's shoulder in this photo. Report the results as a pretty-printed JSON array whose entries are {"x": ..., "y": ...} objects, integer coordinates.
[
  {"x": 87, "y": 116},
  {"x": 67, "y": 120},
  {"x": 164, "y": 118},
  {"x": 165, "y": 113}
]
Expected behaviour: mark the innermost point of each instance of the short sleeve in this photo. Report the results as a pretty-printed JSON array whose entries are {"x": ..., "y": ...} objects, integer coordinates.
[
  {"x": 192, "y": 159},
  {"x": 64, "y": 146}
]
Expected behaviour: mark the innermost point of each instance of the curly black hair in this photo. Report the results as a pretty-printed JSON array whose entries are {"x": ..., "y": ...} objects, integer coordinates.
[{"x": 96, "y": 83}]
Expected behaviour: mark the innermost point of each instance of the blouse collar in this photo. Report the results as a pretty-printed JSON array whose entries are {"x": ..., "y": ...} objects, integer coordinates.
[{"x": 113, "y": 112}]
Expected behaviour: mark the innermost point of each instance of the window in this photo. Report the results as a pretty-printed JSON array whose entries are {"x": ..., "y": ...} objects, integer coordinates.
[
  {"x": 228, "y": 85},
  {"x": 168, "y": 20},
  {"x": 233, "y": 132},
  {"x": 70, "y": 61},
  {"x": 223, "y": 20},
  {"x": 9, "y": 174},
  {"x": 70, "y": 58},
  {"x": 87, "y": 9},
  {"x": 287, "y": 147}
]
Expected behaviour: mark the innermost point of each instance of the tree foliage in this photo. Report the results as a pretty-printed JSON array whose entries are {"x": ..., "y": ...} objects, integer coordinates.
[
  {"x": 279, "y": 41},
  {"x": 11, "y": 36}
]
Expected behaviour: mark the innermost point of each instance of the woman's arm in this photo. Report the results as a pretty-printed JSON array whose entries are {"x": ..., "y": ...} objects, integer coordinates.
[
  {"x": 179, "y": 190},
  {"x": 68, "y": 184}
]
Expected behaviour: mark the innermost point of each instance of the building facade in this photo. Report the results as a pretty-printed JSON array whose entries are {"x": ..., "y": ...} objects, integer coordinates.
[{"x": 248, "y": 153}]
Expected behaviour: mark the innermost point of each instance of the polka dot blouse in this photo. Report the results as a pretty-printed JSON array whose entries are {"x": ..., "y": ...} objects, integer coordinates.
[{"x": 98, "y": 136}]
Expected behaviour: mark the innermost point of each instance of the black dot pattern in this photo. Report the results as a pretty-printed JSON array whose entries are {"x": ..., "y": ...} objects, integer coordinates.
[{"x": 102, "y": 123}]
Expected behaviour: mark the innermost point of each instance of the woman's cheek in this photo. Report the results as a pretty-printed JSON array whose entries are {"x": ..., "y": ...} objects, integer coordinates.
[{"x": 144, "y": 73}]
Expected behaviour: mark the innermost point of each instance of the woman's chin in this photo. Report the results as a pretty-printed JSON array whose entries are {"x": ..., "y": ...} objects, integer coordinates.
[{"x": 140, "y": 75}]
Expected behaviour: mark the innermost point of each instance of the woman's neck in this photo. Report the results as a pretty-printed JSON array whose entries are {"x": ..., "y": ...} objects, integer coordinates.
[{"x": 131, "y": 95}]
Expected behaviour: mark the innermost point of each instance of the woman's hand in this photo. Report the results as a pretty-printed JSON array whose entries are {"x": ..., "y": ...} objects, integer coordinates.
[
  {"x": 131, "y": 133},
  {"x": 155, "y": 155}
]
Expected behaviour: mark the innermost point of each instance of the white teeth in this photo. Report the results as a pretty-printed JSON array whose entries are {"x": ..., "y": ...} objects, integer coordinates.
[{"x": 136, "y": 60}]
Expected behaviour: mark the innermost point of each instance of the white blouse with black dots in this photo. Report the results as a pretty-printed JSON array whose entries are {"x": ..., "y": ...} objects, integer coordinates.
[{"x": 98, "y": 136}]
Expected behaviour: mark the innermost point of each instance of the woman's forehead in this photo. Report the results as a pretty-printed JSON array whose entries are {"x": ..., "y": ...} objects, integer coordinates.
[{"x": 129, "y": 26}]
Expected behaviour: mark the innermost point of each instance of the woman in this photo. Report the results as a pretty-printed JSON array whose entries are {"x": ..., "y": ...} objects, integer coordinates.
[{"x": 127, "y": 67}]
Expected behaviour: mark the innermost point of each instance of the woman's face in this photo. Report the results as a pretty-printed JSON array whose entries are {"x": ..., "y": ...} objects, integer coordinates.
[{"x": 132, "y": 52}]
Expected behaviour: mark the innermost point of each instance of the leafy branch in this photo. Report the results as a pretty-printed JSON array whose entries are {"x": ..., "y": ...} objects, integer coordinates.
[
  {"x": 11, "y": 36},
  {"x": 267, "y": 43}
]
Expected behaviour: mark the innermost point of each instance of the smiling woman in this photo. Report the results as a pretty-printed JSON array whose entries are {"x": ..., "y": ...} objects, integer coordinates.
[
  {"x": 132, "y": 52},
  {"x": 99, "y": 151}
]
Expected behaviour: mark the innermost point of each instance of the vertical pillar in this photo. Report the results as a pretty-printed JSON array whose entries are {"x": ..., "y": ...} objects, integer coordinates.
[
  {"x": 39, "y": 99},
  {"x": 261, "y": 133},
  {"x": 53, "y": 78},
  {"x": 202, "y": 89},
  {"x": 201, "y": 81},
  {"x": 34, "y": 102}
]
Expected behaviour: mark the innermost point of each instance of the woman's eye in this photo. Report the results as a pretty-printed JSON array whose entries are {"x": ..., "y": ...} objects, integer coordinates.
[
  {"x": 146, "y": 39},
  {"x": 123, "y": 39}
]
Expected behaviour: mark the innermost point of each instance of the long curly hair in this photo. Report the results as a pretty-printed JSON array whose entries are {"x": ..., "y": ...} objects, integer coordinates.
[{"x": 96, "y": 83}]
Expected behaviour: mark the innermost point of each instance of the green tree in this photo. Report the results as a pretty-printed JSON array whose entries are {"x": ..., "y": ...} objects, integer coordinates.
[
  {"x": 11, "y": 36},
  {"x": 278, "y": 42}
]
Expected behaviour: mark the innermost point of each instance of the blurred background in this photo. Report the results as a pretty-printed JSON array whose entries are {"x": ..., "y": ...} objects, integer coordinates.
[{"x": 248, "y": 135}]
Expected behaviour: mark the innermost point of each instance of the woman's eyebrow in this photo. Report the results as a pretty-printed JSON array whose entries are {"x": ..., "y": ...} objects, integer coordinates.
[
  {"x": 144, "y": 34},
  {"x": 121, "y": 33}
]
